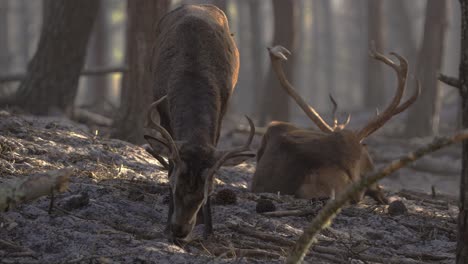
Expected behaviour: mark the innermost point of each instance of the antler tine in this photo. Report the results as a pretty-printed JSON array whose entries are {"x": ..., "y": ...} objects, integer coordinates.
[
  {"x": 232, "y": 152},
  {"x": 337, "y": 126},
  {"x": 150, "y": 123},
  {"x": 401, "y": 70},
  {"x": 402, "y": 107},
  {"x": 277, "y": 54},
  {"x": 335, "y": 107}
]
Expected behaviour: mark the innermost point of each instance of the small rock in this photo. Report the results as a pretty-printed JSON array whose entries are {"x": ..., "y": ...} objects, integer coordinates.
[
  {"x": 374, "y": 235},
  {"x": 225, "y": 197},
  {"x": 76, "y": 201},
  {"x": 136, "y": 195},
  {"x": 265, "y": 205},
  {"x": 397, "y": 208}
]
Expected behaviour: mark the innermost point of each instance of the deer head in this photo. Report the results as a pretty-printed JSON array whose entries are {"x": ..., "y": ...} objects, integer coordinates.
[
  {"x": 325, "y": 162},
  {"x": 191, "y": 173}
]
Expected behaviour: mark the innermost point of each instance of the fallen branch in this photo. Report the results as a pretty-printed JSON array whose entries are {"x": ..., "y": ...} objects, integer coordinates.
[
  {"x": 320, "y": 249},
  {"x": 86, "y": 116},
  {"x": 4, "y": 244},
  {"x": 88, "y": 72},
  {"x": 328, "y": 213},
  {"x": 262, "y": 235},
  {"x": 451, "y": 81},
  {"x": 239, "y": 252},
  {"x": 33, "y": 187},
  {"x": 364, "y": 257},
  {"x": 269, "y": 247},
  {"x": 304, "y": 212},
  {"x": 330, "y": 258}
]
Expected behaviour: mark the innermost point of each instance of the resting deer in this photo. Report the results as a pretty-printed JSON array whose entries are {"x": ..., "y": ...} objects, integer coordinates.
[
  {"x": 196, "y": 64},
  {"x": 320, "y": 164}
]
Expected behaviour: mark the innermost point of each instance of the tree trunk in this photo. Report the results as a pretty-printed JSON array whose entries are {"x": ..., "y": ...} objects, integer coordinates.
[
  {"x": 423, "y": 116},
  {"x": 136, "y": 94},
  {"x": 375, "y": 87},
  {"x": 53, "y": 73},
  {"x": 275, "y": 100},
  {"x": 257, "y": 48},
  {"x": 462, "y": 241},
  {"x": 4, "y": 49},
  {"x": 329, "y": 47},
  {"x": 97, "y": 86}
]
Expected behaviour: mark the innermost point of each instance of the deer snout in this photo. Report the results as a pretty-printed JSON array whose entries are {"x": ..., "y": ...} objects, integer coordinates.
[{"x": 180, "y": 231}]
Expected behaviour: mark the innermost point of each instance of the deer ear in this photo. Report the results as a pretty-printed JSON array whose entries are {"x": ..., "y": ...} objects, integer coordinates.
[{"x": 236, "y": 159}]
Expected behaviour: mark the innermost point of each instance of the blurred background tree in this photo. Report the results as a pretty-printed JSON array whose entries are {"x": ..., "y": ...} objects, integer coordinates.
[
  {"x": 53, "y": 73},
  {"x": 330, "y": 41},
  {"x": 136, "y": 94}
]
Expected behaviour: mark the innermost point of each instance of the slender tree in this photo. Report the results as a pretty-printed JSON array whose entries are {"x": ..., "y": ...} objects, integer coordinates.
[
  {"x": 97, "y": 86},
  {"x": 374, "y": 95},
  {"x": 53, "y": 73},
  {"x": 462, "y": 244},
  {"x": 275, "y": 105},
  {"x": 423, "y": 116},
  {"x": 257, "y": 50},
  {"x": 4, "y": 49},
  {"x": 329, "y": 47},
  {"x": 462, "y": 84},
  {"x": 136, "y": 94}
]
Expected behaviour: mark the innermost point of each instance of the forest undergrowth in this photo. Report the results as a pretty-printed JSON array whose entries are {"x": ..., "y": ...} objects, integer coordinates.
[{"x": 116, "y": 206}]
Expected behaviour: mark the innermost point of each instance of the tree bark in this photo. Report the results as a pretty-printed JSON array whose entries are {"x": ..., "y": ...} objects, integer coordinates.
[
  {"x": 275, "y": 100},
  {"x": 257, "y": 49},
  {"x": 97, "y": 86},
  {"x": 136, "y": 94},
  {"x": 329, "y": 47},
  {"x": 423, "y": 116},
  {"x": 4, "y": 49},
  {"x": 53, "y": 73},
  {"x": 462, "y": 241},
  {"x": 375, "y": 87}
]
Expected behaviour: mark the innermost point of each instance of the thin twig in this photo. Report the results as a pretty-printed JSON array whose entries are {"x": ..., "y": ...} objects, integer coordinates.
[
  {"x": 304, "y": 212},
  {"x": 262, "y": 235},
  {"x": 329, "y": 212},
  {"x": 233, "y": 252},
  {"x": 450, "y": 81},
  {"x": 87, "y": 72}
]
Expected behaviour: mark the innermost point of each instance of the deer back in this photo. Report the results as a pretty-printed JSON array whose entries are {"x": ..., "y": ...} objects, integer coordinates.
[
  {"x": 196, "y": 64},
  {"x": 305, "y": 163}
]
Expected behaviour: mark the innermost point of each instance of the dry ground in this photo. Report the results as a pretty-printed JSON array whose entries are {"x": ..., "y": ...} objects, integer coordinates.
[{"x": 123, "y": 205}]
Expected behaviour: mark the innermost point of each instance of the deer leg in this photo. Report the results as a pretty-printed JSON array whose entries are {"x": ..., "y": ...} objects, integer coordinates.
[
  {"x": 207, "y": 219},
  {"x": 167, "y": 230},
  {"x": 377, "y": 194}
]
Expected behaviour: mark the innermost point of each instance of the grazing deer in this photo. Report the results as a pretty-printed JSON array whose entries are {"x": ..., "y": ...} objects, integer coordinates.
[
  {"x": 320, "y": 164},
  {"x": 196, "y": 64}
]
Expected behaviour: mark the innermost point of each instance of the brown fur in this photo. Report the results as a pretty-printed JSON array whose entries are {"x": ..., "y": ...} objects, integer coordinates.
[
  {"x": 196, "y": 64},
  {"x": 310, "y": 164}
]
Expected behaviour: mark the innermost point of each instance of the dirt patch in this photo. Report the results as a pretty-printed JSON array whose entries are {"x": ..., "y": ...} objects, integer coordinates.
[{"x": 115, "y": 210}]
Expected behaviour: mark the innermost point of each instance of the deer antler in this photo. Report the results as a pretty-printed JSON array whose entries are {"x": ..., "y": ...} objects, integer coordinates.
[
  {"x": 394, "y": 107},
  {"x": 337, "y": 126},
  {"x": 278, "y": 54},
  {"x": 167, "y": 138},
  {"x": 229, "y": 154}
]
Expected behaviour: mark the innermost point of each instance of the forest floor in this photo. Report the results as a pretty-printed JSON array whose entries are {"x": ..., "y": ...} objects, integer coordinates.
[{"x": 123, "y": 195}]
